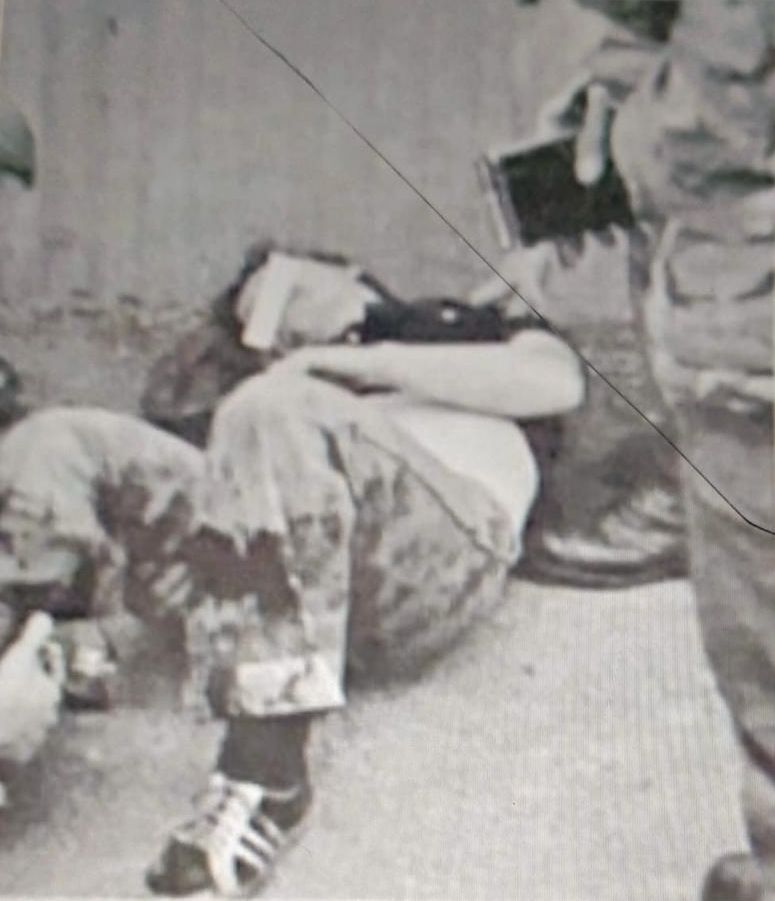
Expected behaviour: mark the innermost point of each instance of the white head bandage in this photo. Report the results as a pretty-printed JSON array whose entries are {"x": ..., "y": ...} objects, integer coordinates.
[{"x": 295, "y": 290}]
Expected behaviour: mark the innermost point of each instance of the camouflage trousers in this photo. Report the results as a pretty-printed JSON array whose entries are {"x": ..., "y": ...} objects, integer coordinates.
[
  {"x": 733, "y": 571},
  {"x": 314, "y": 536},
  {"x": 711, "y": 323},
  {"x": 350, "y": 551}
]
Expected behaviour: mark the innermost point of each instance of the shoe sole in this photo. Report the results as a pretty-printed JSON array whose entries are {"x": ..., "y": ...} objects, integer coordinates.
[{"x": 567, "y": 575}]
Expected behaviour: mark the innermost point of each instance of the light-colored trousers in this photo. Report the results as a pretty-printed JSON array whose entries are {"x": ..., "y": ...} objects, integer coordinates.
[{"x": 325, "y": 537}]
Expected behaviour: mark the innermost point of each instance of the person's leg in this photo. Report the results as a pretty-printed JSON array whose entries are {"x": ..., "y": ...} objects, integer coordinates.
[
  {"x": 638, "y": 534},
  {"x": 651, "y": 499},
  {"x": 734, "y": 579},
  {"x": 338, "y": 511},
  {"x": 360, "y": 550},
  {"x": 735, "y": 585},
  {"x": 615, "y": 517},
  {"x": 89, "y": 502},
  {"x": 652, "y": 502},
  {"x": 709, "y": 318}
]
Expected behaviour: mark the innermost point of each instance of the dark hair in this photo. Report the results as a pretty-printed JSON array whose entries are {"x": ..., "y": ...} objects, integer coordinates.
[{"x": 217, "y": 367}]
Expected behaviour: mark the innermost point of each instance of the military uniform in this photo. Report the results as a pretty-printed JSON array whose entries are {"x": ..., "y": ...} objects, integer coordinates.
[{"x": 695, "y": 144}]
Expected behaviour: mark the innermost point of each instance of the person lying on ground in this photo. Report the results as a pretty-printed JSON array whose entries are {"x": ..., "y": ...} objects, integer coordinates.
[{"x": 356, "y": 509}]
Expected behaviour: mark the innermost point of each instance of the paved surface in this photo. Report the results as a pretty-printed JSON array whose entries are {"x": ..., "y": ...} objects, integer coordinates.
[{"x": 574, "y": 748}]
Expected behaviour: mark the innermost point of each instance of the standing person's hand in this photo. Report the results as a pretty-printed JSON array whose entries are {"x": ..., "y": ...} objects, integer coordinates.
[
  {"x": 524, "y": 270},
  {"x": 592, "y": 140},
  {"x": 31, "y": 677},
  {"x": 585, "y": 107}
]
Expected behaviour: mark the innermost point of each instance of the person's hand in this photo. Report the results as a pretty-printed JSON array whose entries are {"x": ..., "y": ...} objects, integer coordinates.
[
  {"x": 550, "y": 270},
  {"x": 592, "y": 140},
  {"x": 524, "y": 273},
  {"x": 31, "y": 676},
  {"x": 586, "y": 108}
]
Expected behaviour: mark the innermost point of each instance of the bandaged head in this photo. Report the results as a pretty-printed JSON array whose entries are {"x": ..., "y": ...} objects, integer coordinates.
[{"x": 292, "y": 301}]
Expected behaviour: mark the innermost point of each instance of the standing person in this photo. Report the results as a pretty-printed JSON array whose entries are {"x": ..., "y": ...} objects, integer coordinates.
[{"x": 695, "y": 142}]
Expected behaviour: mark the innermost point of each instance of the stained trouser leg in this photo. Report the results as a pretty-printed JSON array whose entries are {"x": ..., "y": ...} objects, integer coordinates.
[
  {"x": 357, "y": 545},
  {"x": 362, "y": 553}
]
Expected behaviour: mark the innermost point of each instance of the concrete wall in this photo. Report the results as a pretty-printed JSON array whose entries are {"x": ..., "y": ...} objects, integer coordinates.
[{"x": 169, "y": 139}]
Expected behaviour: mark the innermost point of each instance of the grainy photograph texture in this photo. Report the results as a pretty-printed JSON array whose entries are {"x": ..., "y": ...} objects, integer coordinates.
[{"x": 386, "y": 449}]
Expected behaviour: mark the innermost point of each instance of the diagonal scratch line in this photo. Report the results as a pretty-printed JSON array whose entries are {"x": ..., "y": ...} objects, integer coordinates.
[{"x": 276, "y": 52}]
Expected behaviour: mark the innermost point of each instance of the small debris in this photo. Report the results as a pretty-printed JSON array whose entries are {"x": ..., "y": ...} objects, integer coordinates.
[{"x": 130, "y": 300}]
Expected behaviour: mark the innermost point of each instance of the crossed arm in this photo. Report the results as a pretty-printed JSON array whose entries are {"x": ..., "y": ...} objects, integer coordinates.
[{"x": 533, "y": 375}]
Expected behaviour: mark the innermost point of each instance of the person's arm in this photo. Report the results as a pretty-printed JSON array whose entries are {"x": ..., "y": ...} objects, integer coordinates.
[{"x": 535, "y": 374}]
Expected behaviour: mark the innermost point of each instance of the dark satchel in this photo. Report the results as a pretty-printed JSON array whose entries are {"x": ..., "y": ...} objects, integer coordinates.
[{"x": 436, "y": 320}]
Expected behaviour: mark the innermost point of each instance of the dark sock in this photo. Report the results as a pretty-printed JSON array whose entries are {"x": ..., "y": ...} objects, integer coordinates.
[
  {"x": 270, "y": 751},
  {"x": 266, "y": 750}
]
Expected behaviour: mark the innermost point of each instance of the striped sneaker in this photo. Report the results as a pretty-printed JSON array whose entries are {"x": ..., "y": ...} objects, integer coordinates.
[{"x": 233, "y": 842}]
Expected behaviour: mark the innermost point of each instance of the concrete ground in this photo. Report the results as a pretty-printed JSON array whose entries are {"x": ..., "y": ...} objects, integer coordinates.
[{"x": 574, "y": 748}]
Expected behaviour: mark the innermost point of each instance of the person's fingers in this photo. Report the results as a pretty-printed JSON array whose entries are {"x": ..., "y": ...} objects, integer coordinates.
[
  {"x": 530, "y": 270},
  {"x": 592, "y": 139},
  {"x": 34, "y": 634},
  {"x": 570, "y": 250}
]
